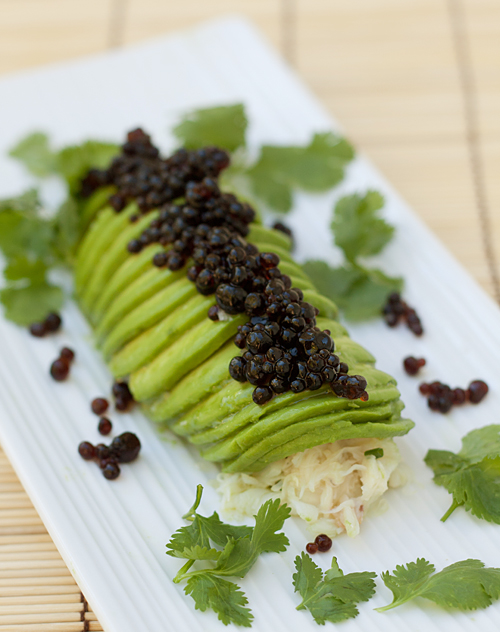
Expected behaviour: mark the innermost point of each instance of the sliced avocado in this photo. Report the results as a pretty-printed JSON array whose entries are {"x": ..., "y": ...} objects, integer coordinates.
[
  {"x": 183, "y": 356},
  {"x": 148, "y": 313},
  {"x": 110, "y": 260},
  {"x": 145, "y": 286},
  {"x": 147, "y": 345},
  {"x": 130, "y": 270},
  {"x": 262, "y": 234}
]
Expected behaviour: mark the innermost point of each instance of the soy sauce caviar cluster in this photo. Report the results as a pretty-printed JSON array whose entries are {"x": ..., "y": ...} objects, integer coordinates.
[
  {"x": 186, "y": 227},
  {"x": 413, "y": 365},
  {"x": 441, "y": 398},
  {"x": 60, "y": 368},
  {"x": 124, "y": 400},
  {"x": 322, "y": 543},
  {"x": 123, "y": 449},
  {"x": 140, "y": 174},
  {"x": 50, "y": 325},
  {"x": 396, "y": 310}
]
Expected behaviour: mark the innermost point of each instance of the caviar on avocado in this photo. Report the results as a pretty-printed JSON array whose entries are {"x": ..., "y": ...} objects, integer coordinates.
[{"x": 285, "y": 350}]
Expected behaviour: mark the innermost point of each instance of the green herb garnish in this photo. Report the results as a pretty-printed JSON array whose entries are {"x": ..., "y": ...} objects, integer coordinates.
[
  {"x": 332, "y": 596},
  {"x": 359, "y": 232},
  {"x": 224, "y": 126},
  {"x": 231, "y": 550},
  {"x": 465, "y": 585},
  {"x": 472, "y": 475}
]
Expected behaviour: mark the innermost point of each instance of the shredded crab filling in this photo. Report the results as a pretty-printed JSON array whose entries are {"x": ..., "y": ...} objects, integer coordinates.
[{"x": 330, "y": 486}]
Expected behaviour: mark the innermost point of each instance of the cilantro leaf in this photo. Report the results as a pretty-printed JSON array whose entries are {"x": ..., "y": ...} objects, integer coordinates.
[
  {"x": 357, "y": 229},
  {"x": 74, "y": 161},
  {"x": 221, "y": 596},
  {"x": 24, "y": 269},
  {"x": 315, "y": 167},
  {"x": 26, "y": 305},
  {"x": 35, "y": 153},
  {"x": 359, "y": 292},
  {"x": 237, "y": 550},
  {"x": 473, "y": 475},
  {"x": 224, "y": 126},
  {"x": 465, "y": 585},
  {"x": 332, "y": 597}
]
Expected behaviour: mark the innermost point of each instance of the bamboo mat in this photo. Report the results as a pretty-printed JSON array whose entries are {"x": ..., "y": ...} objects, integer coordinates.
[{"x": 416, "y": 86}]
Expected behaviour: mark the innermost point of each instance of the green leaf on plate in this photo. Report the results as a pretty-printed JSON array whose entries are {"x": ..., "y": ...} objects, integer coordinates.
[
  {"x": 35, "y": 153},
  {"x": 223, "y": 126}
]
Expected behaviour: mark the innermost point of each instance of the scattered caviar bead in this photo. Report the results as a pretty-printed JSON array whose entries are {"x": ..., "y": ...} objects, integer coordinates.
[
  {"x": 104, "y": 426},
  {"x": 39, "y": 330},
  {"x": 396, "y": 310},
  {"x": 99, "y": 405},
  {"x": 126, "y": 447},
  {"x": 237, "y": 369},
  {"x": 133, "y": 218},
  {"x": 458, "y": 396},
  {"x": 86, "y": 450},
  {"x": 109, "y": 459},
  {"x": 134, "y": 246},
  {"x": 53, "y": 322},
  {"x": 312, "y": 548},
  {"x": 323, "y": 542},
  {"x": 111, "y": 471},
  {"x": 59, "y": 369},
  {"x": 102, "y": 451},
  {"x": 413, "y": 365},
  {"x": 122, "y": 404},
  {"x": 213, "y": 312},
  {"x": 424, "y": 388},
  {"x": 68, "y": 354},
  {"x": 477, "y": 391}
]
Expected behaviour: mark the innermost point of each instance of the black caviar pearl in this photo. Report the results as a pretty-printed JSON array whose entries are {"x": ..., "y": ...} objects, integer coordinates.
[
  {"x": 272, "y": 328},
  {"x": 313, "y": 381},
  {"x": 279, "y": 385},
  {"x": 323, "y": 542},
  {"x": 126, "y": 447},
  {"x": 349, "y": 386},
  {"x": 297, "y": 386},
  {"x": 160, "y": 259},
  {"x": 262, "y": 394},
  {"x": 134, "y": 246},
  {"x": 104, "y": 426},
  {"x": 268, "y": 260},
  {"x": 258, "y": 341},
  {"x": 53, "y": 322},
  {"x": 67, "y": 354},
  {"x": 343, "y": 368},
  {"x": 328, "y": 374},
  {"x": 315, "y": 363},
  {"x": 231, "y": 298},
  {"x": 205, "y": 282},
  {"x": 99, "y": 405},
  {"x": 274, "y": 354},
  {"x": 59, "y": 369},
  {"x": 254, "y": 304},
  {"x": 38, "y": 330},
  {"x": 176, "y": 261},
  {"x": 237, "y": 256},
  {"x": 300, "y": 370},
  {"x": 192, "y": 273},
  {"x": 86, "y": 450},
  {"x": 111, "y": 471},
  {"x": 213, "y": 313},
  {"x": 282, "y": 367},
  {"x": 102, "y": 451},
  {"x": 237, "y": 369}
]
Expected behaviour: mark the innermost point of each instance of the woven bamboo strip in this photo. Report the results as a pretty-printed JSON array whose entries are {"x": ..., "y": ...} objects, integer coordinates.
[
  {"x": 25, "y": 564},
  {"x": 50, "y": 627},
  {"x": 26, "y": 540},
  {"x": 34, "y": 572},
  {"x": 26, "y": 547},
  {"x": 70, "y": 598},
  {"x": 42, "y": 609},
  {"x": 50, "y": 617},
  {"x": 52, "y": 591},
  {"x": 44, "y": 582},
  {"x": 22, "y": 556}
]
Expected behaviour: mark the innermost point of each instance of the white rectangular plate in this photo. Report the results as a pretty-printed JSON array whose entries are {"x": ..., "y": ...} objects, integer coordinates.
[{"x": 113, "y": 535}]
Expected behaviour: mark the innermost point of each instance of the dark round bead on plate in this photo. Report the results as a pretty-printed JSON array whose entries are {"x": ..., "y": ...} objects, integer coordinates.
[
  {"x": 67, "y": 353},
  {"x": 311, "y": 548},
  {"x": 323, "y": 542},
  {"x": 458, "y": 396},
  {"x": 477, "y": 391},
  {"x": 59, "y": 369},
  {"x": 122, "y": 404},
  {"x": 134, "y": 246},
  {"x": 104, "y": 426},
  {"x": 53, "y": 322},
  {"x": 99, "y": 405},
  {"x": 160, "y": 259},
  {"x": 86, "y": 450},
  {"x": 126, "y": 447},
  {"x": 413, "y": 365},
  {"x": 111, "y": 471},
  {"x": 38, "y": 330},
  {"x": 102, "y": 451}
]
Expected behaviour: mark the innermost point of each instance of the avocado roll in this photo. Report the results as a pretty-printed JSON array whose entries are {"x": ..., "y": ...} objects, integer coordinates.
[{"x": 223, "y": 339}]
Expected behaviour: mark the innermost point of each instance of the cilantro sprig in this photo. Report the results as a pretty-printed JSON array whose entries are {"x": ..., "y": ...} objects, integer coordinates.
[
  {"x": 332, "y": 596},
  {"x": 279, "y": 170},
  {"x": 465, "y": 585},
  {"x": 230, "y": 551},
  {"x": 472, "y": 475},
  {"x": 359, "y": 232}
]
